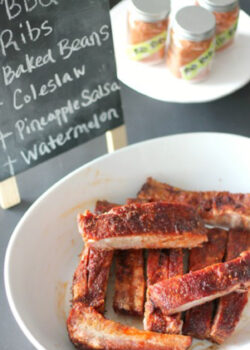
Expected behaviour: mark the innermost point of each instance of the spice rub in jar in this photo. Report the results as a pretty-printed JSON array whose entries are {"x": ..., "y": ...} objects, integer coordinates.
[
  {"x": 147, "y": 23},
  {"x": 226, "y": 13},
  {"x": 192, "y": 45}
]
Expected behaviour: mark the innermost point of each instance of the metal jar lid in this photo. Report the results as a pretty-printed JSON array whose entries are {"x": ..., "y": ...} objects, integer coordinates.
[
  {"x": 194, "y": 23},
  {"x": 219, "y": 5},
  {"x": 150, "y": 10}
]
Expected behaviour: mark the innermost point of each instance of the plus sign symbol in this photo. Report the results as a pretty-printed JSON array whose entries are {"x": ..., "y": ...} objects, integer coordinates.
[{"x": 3, "y": 137}]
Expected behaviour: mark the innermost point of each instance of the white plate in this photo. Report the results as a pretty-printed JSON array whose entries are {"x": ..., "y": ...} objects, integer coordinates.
[
  {"x": 42, "y": 252},
  {"x": 230, "y": 70}
]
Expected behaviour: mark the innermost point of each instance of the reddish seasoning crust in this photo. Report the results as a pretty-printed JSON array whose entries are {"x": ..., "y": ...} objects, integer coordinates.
[
  {"x": 195, "y": 288},
  {"x": 104, "y": 206},
  {"x": 129, "y": 282},
  {"x": 228, "y": 315},
  {"x": 162, "y": 264},
  {"x": 88, "y": 329},
  {"x": 238, "y": 241},
  {"x": 141, "y": 218},
  {"x": 90, "y": 279},
  {"x": 157, "y": 270},
  {"x": 220, "y": 208},
  {"x": 175, "y": 263},
  {"x": 157, "y": 266},
  {"x": 230, "y": 307},
  {"x": 198, "y": 319},
  {"x": 136, "y": 200},
  {"x": 212, "y": 252}
]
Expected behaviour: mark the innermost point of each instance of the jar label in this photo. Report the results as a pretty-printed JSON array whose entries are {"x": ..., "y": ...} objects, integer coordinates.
[
  {"x": 224, "y": 37},
  {"x": 196, "y": 67},
  {"x": 147, "y": 48}
]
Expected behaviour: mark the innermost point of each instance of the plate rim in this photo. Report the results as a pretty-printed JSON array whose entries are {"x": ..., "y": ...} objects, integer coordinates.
[{"x": 58, "y": 183}]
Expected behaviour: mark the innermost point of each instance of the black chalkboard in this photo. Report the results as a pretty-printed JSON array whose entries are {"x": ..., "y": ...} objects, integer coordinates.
[{"x": 58, "y": 79}]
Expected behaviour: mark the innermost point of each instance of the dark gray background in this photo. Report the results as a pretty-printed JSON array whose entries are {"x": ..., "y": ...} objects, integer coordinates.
[{"x": 145, "y": 118}]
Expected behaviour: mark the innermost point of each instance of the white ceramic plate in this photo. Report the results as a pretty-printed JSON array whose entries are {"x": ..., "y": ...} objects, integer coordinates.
[
  {"x": 43, "y": 250},
  {"x": 230, "y": 70}
]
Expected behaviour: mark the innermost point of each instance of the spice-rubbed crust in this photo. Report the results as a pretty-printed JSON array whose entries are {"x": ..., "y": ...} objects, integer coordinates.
[
  {"x": 91, "y": 278},
  {"x": 162, "y": 264},
  {"x": 198, "y": 320},
  {"x": 104, "y": 206},
  {"x": 195, "y": 288},
  {"x": 216, "y": 208},
  {"x": 143, "y": 225},
  {"x": 129, "y": 282},
  {"x": 91, "y": 275},
  {"x": 90, "y": 330},
  {"x": 230, "y": 307},
  {"x": 227, "y": 316}
]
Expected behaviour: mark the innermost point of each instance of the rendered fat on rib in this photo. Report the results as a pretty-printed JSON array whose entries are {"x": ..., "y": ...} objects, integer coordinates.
[
  {"x": 230, "y": 307},
  {"x": 196, "y": 288},
  {"x": 145, "y": 225},
  {"x": 91, "y": 275},
  {"x": 162, "y": 264},
  {"x": 88, "y": 329},
  {"x": 129, "y": 282},
  {"x": 216, "y": 208},
  {"x": 198, "y": 319}
]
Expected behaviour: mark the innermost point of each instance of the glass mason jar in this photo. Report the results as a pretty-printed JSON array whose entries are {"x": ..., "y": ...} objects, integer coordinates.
[
  {"x": 192, "y": 43},
  {"x": 226, "y": 13},
  {"x": 147, "y": 30}
]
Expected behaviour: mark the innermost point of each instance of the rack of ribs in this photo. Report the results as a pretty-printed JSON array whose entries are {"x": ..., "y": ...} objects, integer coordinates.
[
  {"x": 143, "y": 225},
  {"x": 217, "y": 208},
  {"x": 196, "y": 288},
  {"x": 129, "y": 282},
  {"x": 198, "y": 320},
  {"x": 162, "y": 264},
  {"x": 90, "y": 330},
  {"x": 231, "y": 306},
  {"x": 91, "y": 275}
]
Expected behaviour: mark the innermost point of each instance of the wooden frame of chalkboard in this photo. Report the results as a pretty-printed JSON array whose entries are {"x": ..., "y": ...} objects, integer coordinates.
[
  {"x": 59, "y": 85},
  {"x": 9, "y": 193}
]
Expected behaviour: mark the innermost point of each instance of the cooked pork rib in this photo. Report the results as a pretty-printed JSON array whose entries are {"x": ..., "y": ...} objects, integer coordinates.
[
  {"x": 195, "y": 288},
  {"x": 104, "y": 206},
  {"x": 90, "y": 330},
  {"x": 129, "y": 282},
  {"x": 162, "y": 264},
  {"x": 227, "y": 316},
  {"x": 146, "y": 225},
  {"x": 91, "y": 275},
  {"x": 230, "y": 306},
  {"x": 219, "y": 208},
  {"x": 198, "y": 320}
]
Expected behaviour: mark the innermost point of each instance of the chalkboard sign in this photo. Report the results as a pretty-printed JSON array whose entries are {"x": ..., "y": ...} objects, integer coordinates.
[{"x": 58, "y": 79}]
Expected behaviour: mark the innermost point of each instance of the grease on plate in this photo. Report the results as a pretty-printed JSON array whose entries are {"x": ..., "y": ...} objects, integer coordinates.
[{"x": 61, "y": 291}]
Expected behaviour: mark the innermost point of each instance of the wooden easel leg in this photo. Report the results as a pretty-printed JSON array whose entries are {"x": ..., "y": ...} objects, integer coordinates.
[
  {"x": 116, "y": 138},
  {"x": 9, "y": 193}
]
